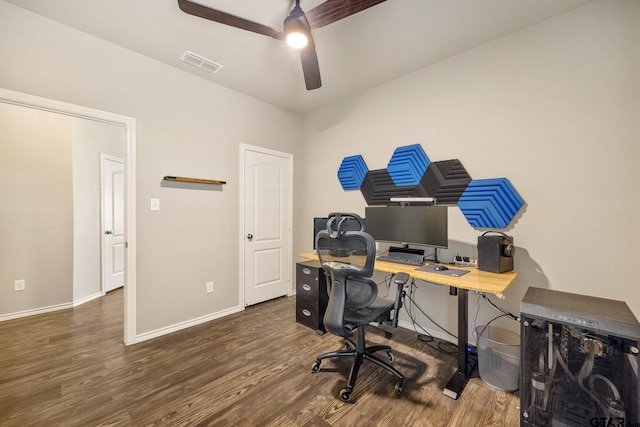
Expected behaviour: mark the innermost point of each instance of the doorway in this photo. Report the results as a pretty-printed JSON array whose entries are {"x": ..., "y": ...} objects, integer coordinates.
[
  {"x": 128, "y": 124},
  {"x": 265, "y": 222}
]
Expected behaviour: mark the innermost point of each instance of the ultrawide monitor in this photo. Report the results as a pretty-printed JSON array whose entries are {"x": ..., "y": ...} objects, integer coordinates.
[{"x": 409, "y": 225}]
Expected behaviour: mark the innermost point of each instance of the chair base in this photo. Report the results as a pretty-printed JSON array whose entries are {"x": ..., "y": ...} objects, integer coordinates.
[{"x": 360, "y": 353}]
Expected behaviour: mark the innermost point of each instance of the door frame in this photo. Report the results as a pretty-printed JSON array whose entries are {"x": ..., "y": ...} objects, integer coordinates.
[
  {"x": 103, "y": 273},
  {"x": 129, "y": 123},
  {"x": 244, "y": 148}
]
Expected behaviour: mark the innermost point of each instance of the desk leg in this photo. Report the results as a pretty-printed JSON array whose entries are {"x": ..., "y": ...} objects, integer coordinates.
[{"x": 456, "y": 384}]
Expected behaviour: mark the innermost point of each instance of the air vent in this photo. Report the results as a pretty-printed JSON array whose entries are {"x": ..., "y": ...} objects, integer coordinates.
[{"x": 200, "y": 62}]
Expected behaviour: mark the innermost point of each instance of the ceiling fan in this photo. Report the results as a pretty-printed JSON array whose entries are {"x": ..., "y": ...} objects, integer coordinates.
[{"x": 296, "y": 29}]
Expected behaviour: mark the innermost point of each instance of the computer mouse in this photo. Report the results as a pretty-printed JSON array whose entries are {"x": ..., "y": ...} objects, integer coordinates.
[{"x": 440, "y": 267}]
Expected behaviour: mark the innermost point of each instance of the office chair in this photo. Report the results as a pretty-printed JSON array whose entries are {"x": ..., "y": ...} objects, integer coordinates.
[{"x": 348, "y": 258}]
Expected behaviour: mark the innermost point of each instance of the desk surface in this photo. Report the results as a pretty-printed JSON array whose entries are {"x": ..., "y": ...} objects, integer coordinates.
[{"x": 475, "y": 280}]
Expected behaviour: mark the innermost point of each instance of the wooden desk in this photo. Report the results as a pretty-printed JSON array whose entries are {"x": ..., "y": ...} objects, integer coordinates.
[{"x": 475, "y": 280}]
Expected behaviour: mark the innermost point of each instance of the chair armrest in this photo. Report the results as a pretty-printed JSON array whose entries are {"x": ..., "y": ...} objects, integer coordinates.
[{"x": 400, "y": 280}]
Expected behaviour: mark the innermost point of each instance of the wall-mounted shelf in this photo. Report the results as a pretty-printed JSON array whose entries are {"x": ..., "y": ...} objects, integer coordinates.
[{"x": 194, "y": 180}]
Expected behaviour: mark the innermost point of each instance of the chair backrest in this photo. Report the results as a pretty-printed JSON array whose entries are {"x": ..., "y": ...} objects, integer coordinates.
[{"x": 348, "y": 257}]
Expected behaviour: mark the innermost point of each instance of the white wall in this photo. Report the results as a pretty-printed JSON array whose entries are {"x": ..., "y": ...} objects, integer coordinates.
[
  {"x": 185, "y": 126},
  {"x": 36, "y": 210},
  {"x": 554, "y": 108}
]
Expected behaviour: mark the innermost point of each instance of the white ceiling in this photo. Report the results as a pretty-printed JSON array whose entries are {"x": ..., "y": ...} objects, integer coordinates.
[{"x": 374, "y": 46}]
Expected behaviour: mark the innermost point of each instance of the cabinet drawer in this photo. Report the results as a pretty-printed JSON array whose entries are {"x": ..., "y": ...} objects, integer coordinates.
[
  {"x": 307, "y": 315},
  {"x": 307, "y": 287},
  {"x": 307, "y": 276},
  {"x": 308, "y": 299}
]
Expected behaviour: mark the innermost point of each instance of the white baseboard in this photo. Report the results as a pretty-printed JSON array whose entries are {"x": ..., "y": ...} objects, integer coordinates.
[
  {"x": 49, "y": 309},
  {"x": 87, "y": 299},
  {"x": 187, "y": 324},
  {"x": 34, "y": 311}
]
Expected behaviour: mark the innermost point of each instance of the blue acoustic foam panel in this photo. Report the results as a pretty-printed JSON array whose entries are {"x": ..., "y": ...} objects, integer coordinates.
[
  {"x": 408, "y": 164},
  {"x": 445, "y": 181},
  {"x": 490, "y": 203},
  {"x": 352, "y": 171},
  {"x": 378, "y": 187}
]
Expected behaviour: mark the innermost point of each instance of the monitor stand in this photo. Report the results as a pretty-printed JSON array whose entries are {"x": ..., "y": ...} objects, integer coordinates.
[
  {"x": 405, "y": 249},
  {"x": 435, "y": 255}
]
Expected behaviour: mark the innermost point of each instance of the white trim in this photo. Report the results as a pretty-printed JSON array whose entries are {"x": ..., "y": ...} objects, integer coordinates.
[
  {"x": 129, "y": 124},
  {"x": 292, "y": 265},
  {"x": 187, "y": 324},
  {"x": 57, "y": 307},
  {"x": 241, "y": 214},
  {"x": 130, "y": 233},
  {"x": 33, "y": 312},
  {"x": 243, "y": 149},
  {"x": 87, "y": 299}
]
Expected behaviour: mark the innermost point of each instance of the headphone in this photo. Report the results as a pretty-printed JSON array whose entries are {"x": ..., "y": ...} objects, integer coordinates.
[{"x": 508, "y": 250}]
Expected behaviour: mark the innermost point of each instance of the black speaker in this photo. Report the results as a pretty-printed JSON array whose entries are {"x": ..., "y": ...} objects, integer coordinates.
[{"x": 495, "y": 252}]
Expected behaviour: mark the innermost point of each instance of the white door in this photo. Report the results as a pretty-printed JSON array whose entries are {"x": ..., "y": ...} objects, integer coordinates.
[
  {"x": 266, "y": 224},
  {"x": 112, "y": 223}
]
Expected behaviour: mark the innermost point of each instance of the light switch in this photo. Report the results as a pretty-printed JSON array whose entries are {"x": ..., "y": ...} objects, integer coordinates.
[{"x": 155, "y": 204}]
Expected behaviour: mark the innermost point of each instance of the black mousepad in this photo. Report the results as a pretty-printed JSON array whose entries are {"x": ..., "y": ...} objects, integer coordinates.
[{"x": 453, "y": 272}]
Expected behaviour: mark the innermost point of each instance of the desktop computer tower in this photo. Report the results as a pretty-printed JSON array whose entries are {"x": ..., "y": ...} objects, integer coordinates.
[{"x": 579, "y": 361}]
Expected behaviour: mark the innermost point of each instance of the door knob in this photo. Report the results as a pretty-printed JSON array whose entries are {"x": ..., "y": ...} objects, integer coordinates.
[
  {"x": 250, "y": 236},
  {"x": 108, "y": 232}
]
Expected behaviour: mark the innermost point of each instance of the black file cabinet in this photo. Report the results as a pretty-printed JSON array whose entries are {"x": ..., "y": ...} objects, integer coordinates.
[{"x": 311, "y": 295}]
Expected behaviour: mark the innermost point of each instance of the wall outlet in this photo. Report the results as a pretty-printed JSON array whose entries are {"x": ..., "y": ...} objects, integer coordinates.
[
  {"x": 18, "y": 285},
  {"x": 209, "y": 287}
]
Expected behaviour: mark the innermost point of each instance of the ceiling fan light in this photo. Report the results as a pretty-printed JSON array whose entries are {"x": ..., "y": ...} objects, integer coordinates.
[
  {"x": 296, "y": 28},
  {"x": 297, "y": 40}
]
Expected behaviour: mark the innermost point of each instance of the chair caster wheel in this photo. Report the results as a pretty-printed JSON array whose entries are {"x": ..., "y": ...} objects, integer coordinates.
[
  {"x": 315, "y": 367},
  {"x": 390, "y": 356},
  {"x": 345, "y": 394},
  {"x": 398, "y": 387}
]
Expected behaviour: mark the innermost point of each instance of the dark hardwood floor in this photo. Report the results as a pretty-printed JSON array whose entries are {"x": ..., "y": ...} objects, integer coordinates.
[{"x": 253, "y": 368}]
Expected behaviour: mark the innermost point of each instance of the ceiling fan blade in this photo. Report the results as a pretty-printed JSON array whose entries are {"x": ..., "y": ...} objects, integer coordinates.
[
  {"x": 202, "y": 11},
  {"x": 334, "y": 10},
  {"x": 310, "y": 66},
  {"x": 308, "y": 55}
]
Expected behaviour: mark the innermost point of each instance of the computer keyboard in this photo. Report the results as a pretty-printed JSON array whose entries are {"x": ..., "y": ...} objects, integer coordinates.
[{"x": 400, "y": 260}]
